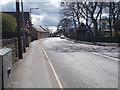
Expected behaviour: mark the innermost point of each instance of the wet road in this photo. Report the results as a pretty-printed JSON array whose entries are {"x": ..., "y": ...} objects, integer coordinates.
[{"x": 78, "y": 66}]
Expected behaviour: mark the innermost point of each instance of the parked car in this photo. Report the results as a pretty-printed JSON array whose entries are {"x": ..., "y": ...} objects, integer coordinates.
[
  {"x": 57, "y": 35},
  {"x": 62, "y": 37}
]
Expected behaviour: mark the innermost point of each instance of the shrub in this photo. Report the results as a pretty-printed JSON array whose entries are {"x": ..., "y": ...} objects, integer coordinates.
[
  {"x": 25, "y": 29},
  {"x": 8, "y": 23}
]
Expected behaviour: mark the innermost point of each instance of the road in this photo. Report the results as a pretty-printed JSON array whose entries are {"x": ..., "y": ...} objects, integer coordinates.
[{"x": 82, "y": 65}]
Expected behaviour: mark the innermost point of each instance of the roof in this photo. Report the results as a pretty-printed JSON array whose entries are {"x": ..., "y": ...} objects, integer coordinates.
[
  {"x": 38, "y": 28},
  {"x": 45, "y": 28}
]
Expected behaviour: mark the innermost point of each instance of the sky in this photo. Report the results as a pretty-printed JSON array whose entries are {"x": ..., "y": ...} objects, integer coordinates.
[{"x": 47, "y": 14}]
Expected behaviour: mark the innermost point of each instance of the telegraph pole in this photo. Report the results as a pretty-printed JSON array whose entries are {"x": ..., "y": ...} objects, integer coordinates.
[
  {"x": 23, "y": 25},
  {"x": 31, "y": 26},
  {"x": 18, "y": 29}
]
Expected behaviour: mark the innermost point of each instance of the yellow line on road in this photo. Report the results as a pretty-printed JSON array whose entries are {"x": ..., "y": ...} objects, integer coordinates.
[{"x": 56, "y": 76}]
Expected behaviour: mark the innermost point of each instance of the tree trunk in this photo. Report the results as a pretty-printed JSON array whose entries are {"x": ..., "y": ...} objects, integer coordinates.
[
  {"x": 95, "y": 27},
  {"x": 87, "y": 18},
  {"x": 114, "y": 19},
  {"x": 74, "y": 20},
  {"x": 78, "y": 19},
  {"x": 110, "y": 19},
  {"x": 100, "y": 24}
]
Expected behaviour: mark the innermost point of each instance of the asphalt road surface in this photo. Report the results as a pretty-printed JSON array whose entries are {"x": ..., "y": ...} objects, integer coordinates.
[{"x": 82, "y": 65}]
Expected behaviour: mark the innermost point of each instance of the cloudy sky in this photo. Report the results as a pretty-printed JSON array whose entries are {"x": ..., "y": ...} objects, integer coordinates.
[{"x": 47, "y": 14}]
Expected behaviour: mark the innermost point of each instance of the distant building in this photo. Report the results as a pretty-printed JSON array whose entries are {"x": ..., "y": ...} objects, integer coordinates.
[{"x": 38, "y": 32}]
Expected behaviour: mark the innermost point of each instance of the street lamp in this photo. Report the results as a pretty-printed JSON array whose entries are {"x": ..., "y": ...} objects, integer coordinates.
[
  {"x": 30, "y": 14},
  {"x": 31, "y": 22},
  {"x": 33, "y": 8}
]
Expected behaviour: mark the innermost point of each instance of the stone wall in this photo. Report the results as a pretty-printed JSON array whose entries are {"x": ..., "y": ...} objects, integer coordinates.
[{"x": 13, "y": 44}]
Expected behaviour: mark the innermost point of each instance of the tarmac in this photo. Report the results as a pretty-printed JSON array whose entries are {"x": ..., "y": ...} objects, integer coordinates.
[{"x": 34, "y": 71}]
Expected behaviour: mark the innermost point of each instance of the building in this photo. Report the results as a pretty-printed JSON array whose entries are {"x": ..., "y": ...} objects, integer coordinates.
[{"x": 38, "y": 32}]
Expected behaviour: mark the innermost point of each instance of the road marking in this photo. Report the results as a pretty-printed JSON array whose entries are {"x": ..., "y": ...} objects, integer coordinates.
[
  {"x": 56, "y": 76},
  {"x": 106, "y": 56}
]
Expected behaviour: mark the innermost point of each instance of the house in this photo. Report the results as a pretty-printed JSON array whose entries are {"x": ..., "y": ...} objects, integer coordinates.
[{"x": 38, "y": 32}]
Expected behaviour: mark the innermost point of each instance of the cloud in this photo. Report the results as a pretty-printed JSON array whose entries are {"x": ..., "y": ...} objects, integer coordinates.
[
  {"x": 50, "y": 20},
  {"x": 4, "y": 2},
  {"x": 9, "y": 6},
  {"x": 47, "y": 14},
  {"x": 37, "y": 19},
  {"x": 44, "y": 20},
  {"x": 56, "y": 3},
  {"x": 47, "y": 10}
]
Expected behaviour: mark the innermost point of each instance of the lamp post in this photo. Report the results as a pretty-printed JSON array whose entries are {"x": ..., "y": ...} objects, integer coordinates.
[{"x": 31, "y": 22}]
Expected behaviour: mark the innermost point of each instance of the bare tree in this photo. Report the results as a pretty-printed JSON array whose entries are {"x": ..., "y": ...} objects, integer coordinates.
[{"x": 92, "y": 13}]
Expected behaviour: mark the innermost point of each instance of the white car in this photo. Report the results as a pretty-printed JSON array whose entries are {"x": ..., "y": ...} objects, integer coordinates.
[
  {"x": 57, "y": 35},
  {"x": 62, "y": 37}
]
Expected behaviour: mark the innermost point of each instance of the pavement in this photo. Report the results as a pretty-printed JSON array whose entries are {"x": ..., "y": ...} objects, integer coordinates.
[{"x": 31, "y": 71}]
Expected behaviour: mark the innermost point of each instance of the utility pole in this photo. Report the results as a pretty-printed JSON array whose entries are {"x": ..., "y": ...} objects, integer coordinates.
[
  {"x": 23, "y": 25},
  {"x": 31, "y": 26},
  {"x": 18, "y": 29}
]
